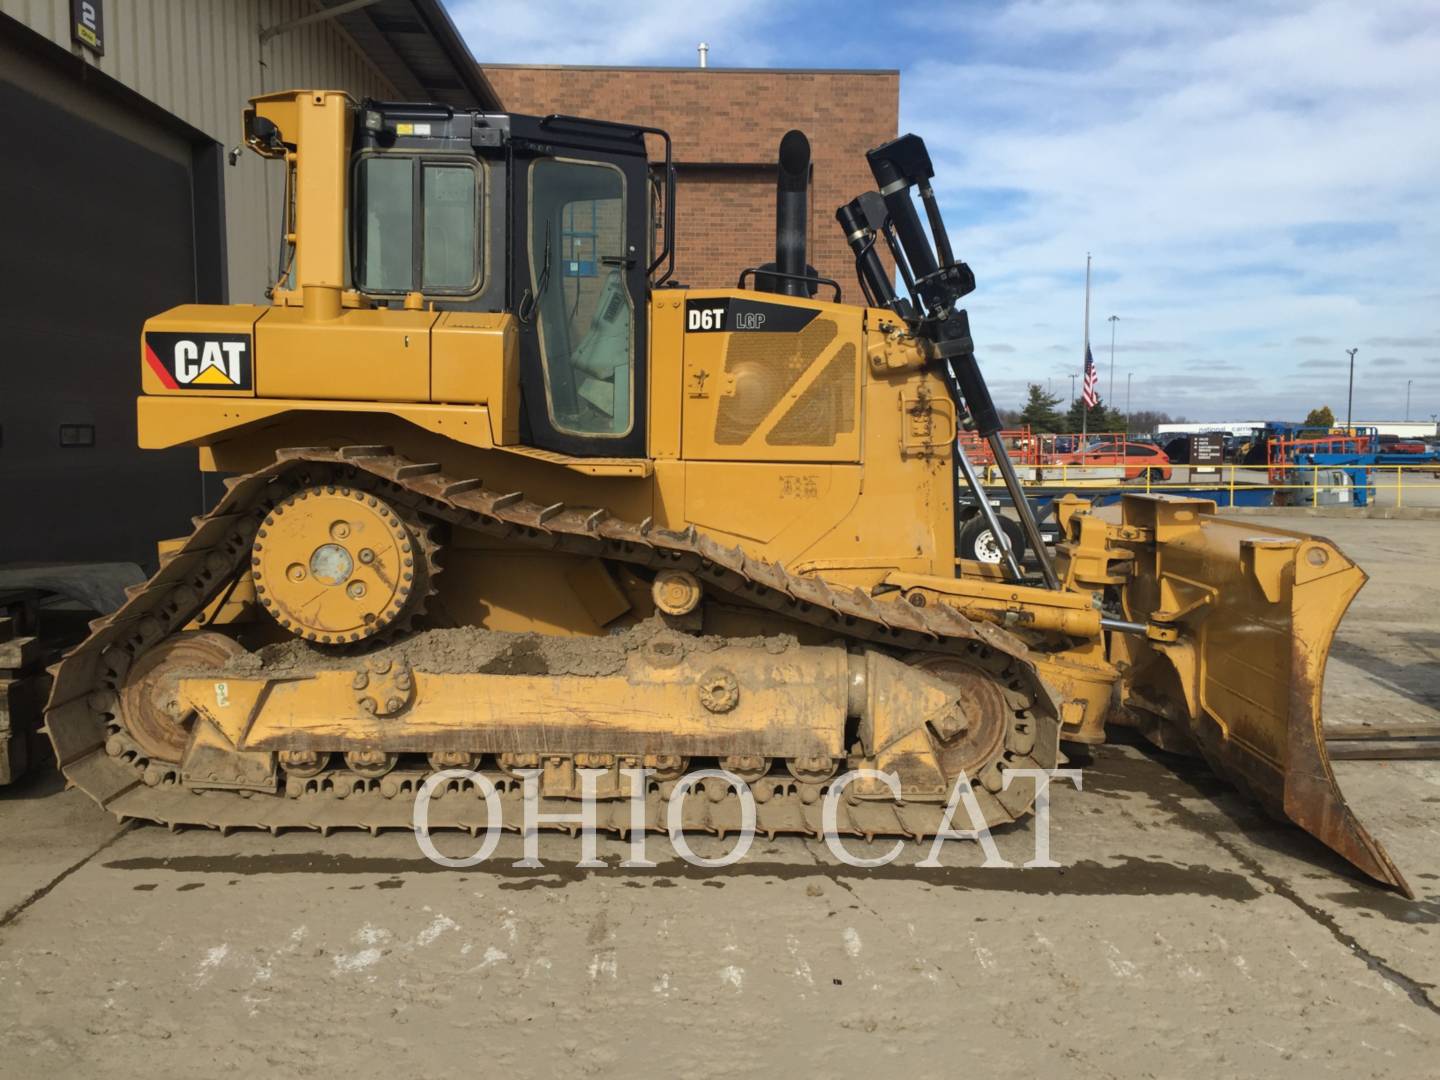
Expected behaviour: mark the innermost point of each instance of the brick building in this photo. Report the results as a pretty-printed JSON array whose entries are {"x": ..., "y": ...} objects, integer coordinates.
[{"x": 726, "y": 124}]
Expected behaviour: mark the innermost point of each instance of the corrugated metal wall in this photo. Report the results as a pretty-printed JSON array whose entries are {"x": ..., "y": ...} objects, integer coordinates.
[{"x": 201, "y": 60}]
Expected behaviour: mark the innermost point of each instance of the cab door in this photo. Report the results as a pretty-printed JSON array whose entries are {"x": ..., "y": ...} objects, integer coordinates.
[{"x": 579, "y": 204}]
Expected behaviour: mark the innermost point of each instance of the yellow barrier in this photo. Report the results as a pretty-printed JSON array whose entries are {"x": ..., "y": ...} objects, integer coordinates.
[{"x": 1304, "y": 485}]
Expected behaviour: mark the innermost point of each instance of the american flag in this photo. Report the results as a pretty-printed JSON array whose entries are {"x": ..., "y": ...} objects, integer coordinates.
[{"x": 1090, "y": 395}]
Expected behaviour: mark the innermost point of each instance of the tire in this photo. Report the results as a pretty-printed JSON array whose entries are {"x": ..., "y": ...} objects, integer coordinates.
[{"x": 976, "y": 542}]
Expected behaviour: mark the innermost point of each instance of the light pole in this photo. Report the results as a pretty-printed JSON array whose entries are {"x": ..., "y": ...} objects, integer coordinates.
[
  {"x": 1072, "y": 391},
  {"x": 1407, "y": 399},
  {"x": 1113, "y": 320},
  {"x": 1350, "y": 397},
  {"x": 1128, "y": 376}
]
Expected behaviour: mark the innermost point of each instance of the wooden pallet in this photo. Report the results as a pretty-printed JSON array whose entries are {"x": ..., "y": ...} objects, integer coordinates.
[
  {"x": 24, "y": 683},
  {"x": 22, "y": 703}
]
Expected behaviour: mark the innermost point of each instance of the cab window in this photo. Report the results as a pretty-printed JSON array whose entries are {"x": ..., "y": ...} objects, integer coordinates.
[
  {"x": 417, "y": 225},
  {"x": 578, "y": 293}
]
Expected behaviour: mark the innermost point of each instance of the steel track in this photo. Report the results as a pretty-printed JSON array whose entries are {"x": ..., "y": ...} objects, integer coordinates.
[{"x": 98, "y": 756}]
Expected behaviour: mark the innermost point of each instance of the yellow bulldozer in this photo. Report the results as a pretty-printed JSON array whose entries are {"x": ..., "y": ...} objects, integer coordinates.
[{"x": 501, "y": 496}]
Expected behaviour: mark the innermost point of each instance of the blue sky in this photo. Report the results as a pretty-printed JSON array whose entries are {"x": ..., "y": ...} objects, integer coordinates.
[{"x": 1259, "y": 183}]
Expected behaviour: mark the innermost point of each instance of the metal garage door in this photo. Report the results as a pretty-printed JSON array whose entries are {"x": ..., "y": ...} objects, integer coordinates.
[{"x": 97, "y": 234}]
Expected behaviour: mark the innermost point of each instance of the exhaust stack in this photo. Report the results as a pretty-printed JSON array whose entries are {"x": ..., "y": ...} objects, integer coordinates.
[{"x": 791, "y": 218}]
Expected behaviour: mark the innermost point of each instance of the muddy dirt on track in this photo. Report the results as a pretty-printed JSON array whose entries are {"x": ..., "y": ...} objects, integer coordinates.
[
  {"x": 1186, "y": 935},
  {"x": 463, "y": 650}
]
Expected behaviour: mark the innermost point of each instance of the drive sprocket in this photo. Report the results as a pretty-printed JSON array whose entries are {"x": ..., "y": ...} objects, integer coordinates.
[{"x": 336, "y": 565}]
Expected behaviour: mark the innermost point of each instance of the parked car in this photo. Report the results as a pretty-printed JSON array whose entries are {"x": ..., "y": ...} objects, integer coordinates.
[
  {"x": 1394, "y": 444},
  {"x": 1137, "y": 459}
]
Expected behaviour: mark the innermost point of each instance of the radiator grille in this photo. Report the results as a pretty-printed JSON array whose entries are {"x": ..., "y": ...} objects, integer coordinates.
[
  {"x": 826, "y": 408},
  {"x": 764, "y": 368}
]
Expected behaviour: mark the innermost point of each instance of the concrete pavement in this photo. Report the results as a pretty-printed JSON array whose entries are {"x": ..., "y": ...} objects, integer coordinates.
[{"x": 1187, "y": 934}]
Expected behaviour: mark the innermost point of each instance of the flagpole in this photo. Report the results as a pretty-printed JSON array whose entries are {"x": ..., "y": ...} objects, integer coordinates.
[{"x": 1084, "y": 356}]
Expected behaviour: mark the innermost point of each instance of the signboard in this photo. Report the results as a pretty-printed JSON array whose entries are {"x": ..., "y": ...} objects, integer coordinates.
[
  {"x": 1207, "y": 451},
  {"x": 87, "y": 24}
]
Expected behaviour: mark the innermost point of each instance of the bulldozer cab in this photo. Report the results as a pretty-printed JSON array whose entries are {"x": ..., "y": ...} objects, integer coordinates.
[{"x": 546, "y": 218}]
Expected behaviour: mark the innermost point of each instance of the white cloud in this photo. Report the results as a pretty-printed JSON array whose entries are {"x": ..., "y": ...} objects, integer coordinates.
[
  {"x": 1262, "y": 173},
  {"x": 1246, "y": 174}
]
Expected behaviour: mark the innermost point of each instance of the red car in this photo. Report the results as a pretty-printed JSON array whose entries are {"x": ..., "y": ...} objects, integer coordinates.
[
  {"x": 1138, "y": 459},
  {"x": 1394, "y": 444}
]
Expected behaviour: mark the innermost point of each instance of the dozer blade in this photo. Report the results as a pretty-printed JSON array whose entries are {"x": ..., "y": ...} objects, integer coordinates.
[{"x": 1241, "y": 619}]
